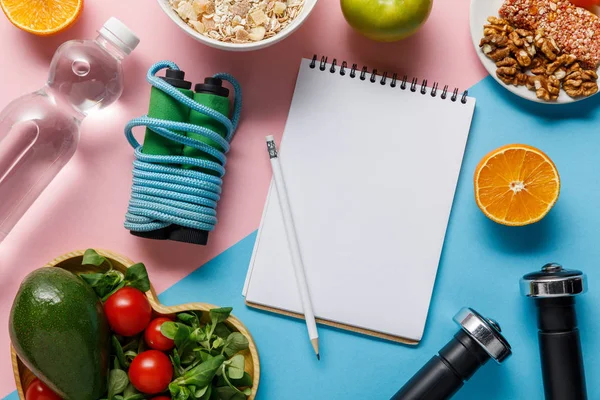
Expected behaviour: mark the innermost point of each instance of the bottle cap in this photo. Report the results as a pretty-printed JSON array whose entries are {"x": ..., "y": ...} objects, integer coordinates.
[
  {"x": 553, "y": 281},
  {"x": 120, "y": 35},
  {"x": 485, "y": 332}
]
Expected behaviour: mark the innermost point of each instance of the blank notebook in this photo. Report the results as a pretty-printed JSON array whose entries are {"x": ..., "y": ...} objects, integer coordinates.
[{"x": 371, "y": 162}]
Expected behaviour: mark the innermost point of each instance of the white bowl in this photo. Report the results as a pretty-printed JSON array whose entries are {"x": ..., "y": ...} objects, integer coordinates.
[
  {"x": 480, "y": 11},
  {"x": 295, "y": 24}
]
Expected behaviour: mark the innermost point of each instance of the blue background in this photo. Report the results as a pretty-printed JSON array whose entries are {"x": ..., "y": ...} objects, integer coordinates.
[{"x": 481, "y": 265}]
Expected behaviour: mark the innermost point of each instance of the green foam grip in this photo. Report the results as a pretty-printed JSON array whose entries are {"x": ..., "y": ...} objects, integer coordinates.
[
  {"x": 217, "y": 103},
  {"x": 163, "y": 106}
]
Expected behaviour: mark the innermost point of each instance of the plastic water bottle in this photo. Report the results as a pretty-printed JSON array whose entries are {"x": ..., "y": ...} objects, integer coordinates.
[{"x": 39, "y": 132}]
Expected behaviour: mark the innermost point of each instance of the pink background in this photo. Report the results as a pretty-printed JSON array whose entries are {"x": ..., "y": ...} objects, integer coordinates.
[{"x": 85, "y": 205}]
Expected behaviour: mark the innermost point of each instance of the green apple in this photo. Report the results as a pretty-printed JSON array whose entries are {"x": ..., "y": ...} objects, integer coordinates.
[{"x": 386, "y": 20}]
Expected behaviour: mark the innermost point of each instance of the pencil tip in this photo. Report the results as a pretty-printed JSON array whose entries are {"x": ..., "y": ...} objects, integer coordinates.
[{"x": 318, "y": 357}]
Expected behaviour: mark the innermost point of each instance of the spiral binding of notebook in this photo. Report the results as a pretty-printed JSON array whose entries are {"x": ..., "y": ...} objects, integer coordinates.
[{"x": 413, "y": 84}]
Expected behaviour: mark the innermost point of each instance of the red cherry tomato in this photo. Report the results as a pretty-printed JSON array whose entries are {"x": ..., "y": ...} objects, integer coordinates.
[
  {"x": 151, "y": 372},
  {"x": 155, "y": 339},
  {"x": 585, "y": 3},
  {"x": 161, "y": 398},
  {"x": 38, "y": 390},
  {"x": 128, "y": 311}
]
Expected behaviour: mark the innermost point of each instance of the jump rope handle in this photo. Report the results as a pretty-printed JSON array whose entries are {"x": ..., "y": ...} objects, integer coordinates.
[{"x": 178, "y": 172}]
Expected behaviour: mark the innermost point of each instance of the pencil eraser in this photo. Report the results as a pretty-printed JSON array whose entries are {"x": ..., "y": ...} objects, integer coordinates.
[{"x": 270, "y": 138}]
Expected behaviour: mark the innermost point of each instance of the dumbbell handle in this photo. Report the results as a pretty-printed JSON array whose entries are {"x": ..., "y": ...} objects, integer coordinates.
[
  {"x": 562, "y": 365},
  {"x": 445, "y": 373},
  {"x": 435, "y": 381}
]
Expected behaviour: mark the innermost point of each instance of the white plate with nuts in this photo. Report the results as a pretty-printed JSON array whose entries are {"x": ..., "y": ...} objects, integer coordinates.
[
  {"x": 529, "y": 62},
  {"x": 238, "y": 25}
]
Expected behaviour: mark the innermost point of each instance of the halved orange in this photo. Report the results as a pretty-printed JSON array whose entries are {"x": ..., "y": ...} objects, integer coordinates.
[
  {"x": 516, "y": 185},
  {"x": 42, "y": 17}
]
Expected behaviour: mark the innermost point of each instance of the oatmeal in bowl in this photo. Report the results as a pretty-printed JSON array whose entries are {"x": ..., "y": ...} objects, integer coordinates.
[{"x": 240, "y": 25}]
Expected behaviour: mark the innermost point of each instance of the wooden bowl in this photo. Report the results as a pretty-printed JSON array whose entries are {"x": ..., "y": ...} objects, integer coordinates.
[{"x": 72, "y": 262}]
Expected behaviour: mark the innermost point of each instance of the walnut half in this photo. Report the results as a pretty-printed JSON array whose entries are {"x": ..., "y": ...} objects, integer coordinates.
[{"x": 579, "y": 82}]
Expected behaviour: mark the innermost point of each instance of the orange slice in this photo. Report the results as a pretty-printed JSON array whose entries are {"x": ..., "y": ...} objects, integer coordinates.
[
  {"x": 516, "y": 185},
  {"x": 42, "y": 17}
]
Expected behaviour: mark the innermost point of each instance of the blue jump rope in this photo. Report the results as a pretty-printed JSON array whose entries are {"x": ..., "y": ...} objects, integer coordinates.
[{"x": 165, "y": 195}]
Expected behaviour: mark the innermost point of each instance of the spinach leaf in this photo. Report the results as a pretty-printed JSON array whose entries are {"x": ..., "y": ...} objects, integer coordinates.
[
  {"x": 235, "y": 343},
  {"x": 184, "y": 393},
  {"x": 208, "y": 394},
  {"x": 202, "y": 374},
  {"x": 217, "y": 343},
  {"x": 182, "y": 340},
  {"x": 188, "y": 358},
  {"x": 117, "y": 382},
  {"x": 198, "y": 335},
  {"x": 219, "y": 315},
  {"x": 129, "y": 356},
  {"x": 174, "y": 389},
  {"x": 176, "y": 361},
  {"x": 229, "y": 393},
  {"x": 138, "y": 396},
  {"x": 111, "y": 292},
  {"x": 137, "y": 277},
  {"x": 235, "y": 367},
  {"x": 130, "y": 391},
  {"x": 91, "y": 257},
  {"x": 92, "y": 279},
  {"x": 203, "y": 354},
  {"x": 190, "y": 318},
  {"x": 105, "y": 284},
  {"x": 169, "y": 329},
  {"x": 201, "y": 392},
  {"x": 222, "y": 331},
  {"x": 245, "y": 381},
  {"x": 118, "y": 352}
]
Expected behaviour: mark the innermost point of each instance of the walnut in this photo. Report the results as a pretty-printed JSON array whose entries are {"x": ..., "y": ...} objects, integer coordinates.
[
  {"x": 497, "y": 26},
  {"x": 498, "y": 21},
  {"x": 546, "y": 45},
  {"x": 496, "y": 54},
  {"x": 528, "y": 36},
  {"x": 494, "y": 40},
  {"x": 521, "y": 37},
  {"x": 546, "y": 88},
  {"x": 538, "y": 65},
  {"x": 511, "y": 76},
  {"x": 579, "y": 82},
  {"x": 522, "y": 50},
  {"x": 507, "y": 62},
  {"x": 522, "y": 58}
]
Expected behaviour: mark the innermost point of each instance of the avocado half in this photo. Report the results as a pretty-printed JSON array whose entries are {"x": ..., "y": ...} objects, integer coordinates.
[{"x": 59, "y": 331}]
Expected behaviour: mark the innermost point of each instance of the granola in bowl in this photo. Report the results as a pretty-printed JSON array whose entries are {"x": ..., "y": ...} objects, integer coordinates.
[{"x": 238, "y": 21}]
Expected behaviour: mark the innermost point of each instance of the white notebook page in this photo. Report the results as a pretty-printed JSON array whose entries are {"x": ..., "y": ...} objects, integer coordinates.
[{"x": 371, "y": 173}]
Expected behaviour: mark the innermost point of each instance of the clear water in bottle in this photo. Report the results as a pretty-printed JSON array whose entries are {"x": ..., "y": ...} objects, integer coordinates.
[{"x": 39, "y": 132}]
